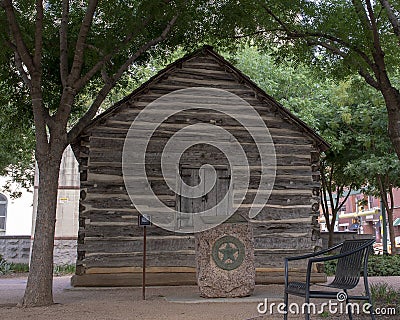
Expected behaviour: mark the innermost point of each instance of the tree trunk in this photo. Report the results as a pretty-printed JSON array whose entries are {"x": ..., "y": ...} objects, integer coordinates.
[
  {"x": 392, "y": 101},
  {"x": 391, "y": 231},
  {"x": 39, "y": 289},
  {"x": 330, "y": 237},
  {"x": 331, "y": 230}
]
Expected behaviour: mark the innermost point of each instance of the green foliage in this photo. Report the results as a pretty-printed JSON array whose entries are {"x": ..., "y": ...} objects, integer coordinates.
[
  {"x": 331, "y": 35},
  {"x": 60, "y": 270},
  {"x": 20, "y": 267},
  {"x": 378, "y": 266},
  {"x": 5, "y": 267},
  {"x": 382, "y": 265},
  {"x": 324, "y": 314},
  {"x": 9, "y": 267},
  {"x": 293, "y": 85},
  {"x": 114, "y": 22},
  {"x": 343, "y": 113},
  {"x": 330, "y": 267}
]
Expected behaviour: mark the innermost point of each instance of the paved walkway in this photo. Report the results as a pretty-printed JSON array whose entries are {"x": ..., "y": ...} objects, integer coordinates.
[{"x": 126, "y": 303}]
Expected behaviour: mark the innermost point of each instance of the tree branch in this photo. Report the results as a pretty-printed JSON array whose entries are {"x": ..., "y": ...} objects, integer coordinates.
[
  {"x": 369, "y": 79},
  {"x": 325, "y": 209},
  {"x": 394, "y": 21},
  {"x": 23, "y": 74},
  {"x": 383, "y": 192},
  {"x": 346, "y": 197},
  {"x": 145, "y": 47},
  {"x": 330, "y": 194},
  {"x": 321, "y": 39},
  {"x": 79, "y": 84},
  {"x": 80, "y": 43},
  {"x": 64, "y": 42},
  {"x": 375, "y": 33},
  {"x": 339, "y": 191},
  {"x": 390, "y": 191},
  {"x": 37, "y": 57},
  {"x": 359, "y": 8},
  {"x": 89, "y": 115},
  {"x": 17, "y": 35}
]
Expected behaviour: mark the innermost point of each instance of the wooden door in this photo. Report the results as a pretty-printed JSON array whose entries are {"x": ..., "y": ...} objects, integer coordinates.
[{"x": 188, "y": 207}]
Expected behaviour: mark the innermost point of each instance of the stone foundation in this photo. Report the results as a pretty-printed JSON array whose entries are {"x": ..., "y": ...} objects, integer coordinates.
[
  {"x": 15, "y": 249},
  {"x": 65, "y": 251}
]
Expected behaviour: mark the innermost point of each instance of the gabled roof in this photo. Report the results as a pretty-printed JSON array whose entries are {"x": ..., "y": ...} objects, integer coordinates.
[{"x": 208, "y": 50}]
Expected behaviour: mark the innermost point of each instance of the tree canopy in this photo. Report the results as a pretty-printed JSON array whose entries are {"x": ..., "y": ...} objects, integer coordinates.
[
  {"x": 62, "y": 59},
  {"x": 340, "y": 37}
]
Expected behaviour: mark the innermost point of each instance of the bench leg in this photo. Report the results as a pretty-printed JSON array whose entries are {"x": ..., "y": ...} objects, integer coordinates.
[
  {"x": 368, "y": 294},
  {"x": 307, "y": 302},
  {"x": 348, "y": 309},
  {"x": 285, "y": 301}
]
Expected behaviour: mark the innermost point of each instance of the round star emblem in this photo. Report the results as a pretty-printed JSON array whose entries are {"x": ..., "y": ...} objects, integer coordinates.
[{"x": 228, "y": 252}]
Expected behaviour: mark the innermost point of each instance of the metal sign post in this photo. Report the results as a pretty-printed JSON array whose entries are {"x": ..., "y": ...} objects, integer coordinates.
[
  {"x": 144, "y": 221},
  {"x": 144, "y": 265}
]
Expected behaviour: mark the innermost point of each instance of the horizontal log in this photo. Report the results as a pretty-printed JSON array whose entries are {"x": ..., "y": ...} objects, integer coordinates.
[
  {"x": 140, "y": 270},
  {"x": 208, "y": 114},
  {"x": 281, "y": 228},
  {"x": 157, "y": 259},
  {"x": 266, "y": 243},
  {"x": 133, "y": 279},
  {"x": 268, "y": 213},
  {"x": 176, "y": 278},
  {"x": 277, "y": 137},
  {"x": 204, "y": 59},
  {"x": 202, "y": 66},
  {"x": 263, "y": 258},
  {"x": 93, "y": 231},
  {"x": 279, "y": 242},
  {"x": 154, "y": 243},
  {"x": 120, "y": 129},
  {"x": 110, "y": 215}
]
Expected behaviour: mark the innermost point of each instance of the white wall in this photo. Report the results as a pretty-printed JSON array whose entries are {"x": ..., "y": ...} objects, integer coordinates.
[
  {"x": 67, "y": 199},
  {"x": 19, "y": 211}
]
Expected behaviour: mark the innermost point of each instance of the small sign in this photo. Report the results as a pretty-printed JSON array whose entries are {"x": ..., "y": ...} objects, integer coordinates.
[
  {"x": 64, "y": 200},
  {"x": 144, "y": 220}
]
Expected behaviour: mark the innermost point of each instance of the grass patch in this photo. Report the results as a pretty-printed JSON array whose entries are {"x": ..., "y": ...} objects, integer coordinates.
[
  {"x": 385, "y": 296},
  {"x": 10, "y": 268}
]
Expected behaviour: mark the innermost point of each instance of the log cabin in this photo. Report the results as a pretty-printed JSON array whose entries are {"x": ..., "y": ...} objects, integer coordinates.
[{"x": 110, "y": 241}]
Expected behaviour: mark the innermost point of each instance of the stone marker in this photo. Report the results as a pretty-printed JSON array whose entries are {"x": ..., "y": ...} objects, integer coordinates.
[{"x": 225, "y": 261}]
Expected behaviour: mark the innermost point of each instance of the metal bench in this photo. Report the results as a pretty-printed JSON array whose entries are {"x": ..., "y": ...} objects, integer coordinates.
[{"x": 352, "y": 259}]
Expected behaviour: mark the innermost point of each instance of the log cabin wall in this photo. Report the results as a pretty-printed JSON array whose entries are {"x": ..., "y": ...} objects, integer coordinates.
[{"x": 110, "y": 241}]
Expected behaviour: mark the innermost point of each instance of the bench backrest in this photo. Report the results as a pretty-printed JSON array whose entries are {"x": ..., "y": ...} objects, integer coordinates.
[{"x": 348, "y": 268}]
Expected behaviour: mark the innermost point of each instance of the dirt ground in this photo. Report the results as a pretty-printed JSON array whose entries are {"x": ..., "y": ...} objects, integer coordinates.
[{"x": 163, "y": 303}]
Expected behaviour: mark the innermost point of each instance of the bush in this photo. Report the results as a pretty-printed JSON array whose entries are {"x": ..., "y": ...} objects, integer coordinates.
[
  {"x": 378, "y": 265},
  {"x": 64, "y": 269},
  {"x": 20, "y": 267},
  {"x": 9, "y": 267},
  {"x": 330, "y": 267},
  {"x": 5, "y": 267}
]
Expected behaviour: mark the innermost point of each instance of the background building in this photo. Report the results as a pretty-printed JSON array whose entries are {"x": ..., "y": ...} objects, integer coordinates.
[
  {"x": 361, "y": 214},
  {"x": 18, "y": 217}
]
